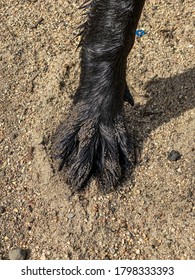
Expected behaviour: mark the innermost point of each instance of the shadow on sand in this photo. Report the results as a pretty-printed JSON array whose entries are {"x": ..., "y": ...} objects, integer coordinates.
[{"x": 167, "y": 98}]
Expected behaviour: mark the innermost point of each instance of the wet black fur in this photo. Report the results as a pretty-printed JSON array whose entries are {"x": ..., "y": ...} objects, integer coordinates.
[{"x": 94, "y": 137}]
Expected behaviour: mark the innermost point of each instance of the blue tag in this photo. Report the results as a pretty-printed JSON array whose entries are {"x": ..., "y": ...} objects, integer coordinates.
[{"x": 140, "y": 33}]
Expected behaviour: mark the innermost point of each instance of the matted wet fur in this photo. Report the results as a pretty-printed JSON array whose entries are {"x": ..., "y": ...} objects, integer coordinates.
[{"x": 94, "y": 139}]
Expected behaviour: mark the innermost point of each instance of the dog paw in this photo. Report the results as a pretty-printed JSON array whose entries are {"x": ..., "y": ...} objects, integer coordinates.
[{"x": 90, "y": 146}]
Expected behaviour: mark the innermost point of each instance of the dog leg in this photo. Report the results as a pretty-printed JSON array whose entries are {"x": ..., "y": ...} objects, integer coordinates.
[{"x": 95, "y": 139}]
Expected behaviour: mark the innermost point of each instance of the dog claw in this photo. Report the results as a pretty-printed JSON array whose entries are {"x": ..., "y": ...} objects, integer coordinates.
[{"x": 128, "y": 97}]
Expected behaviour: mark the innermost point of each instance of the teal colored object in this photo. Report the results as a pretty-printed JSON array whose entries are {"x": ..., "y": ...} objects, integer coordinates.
[{"x": 140, "y": 33}]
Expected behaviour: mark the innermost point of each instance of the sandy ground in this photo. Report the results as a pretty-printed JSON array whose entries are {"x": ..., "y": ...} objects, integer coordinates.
[{"x": 150, "y": 216}]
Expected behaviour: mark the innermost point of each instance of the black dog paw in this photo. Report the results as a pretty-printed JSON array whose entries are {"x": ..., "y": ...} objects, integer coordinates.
[{"x": 92, "y": 147}]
